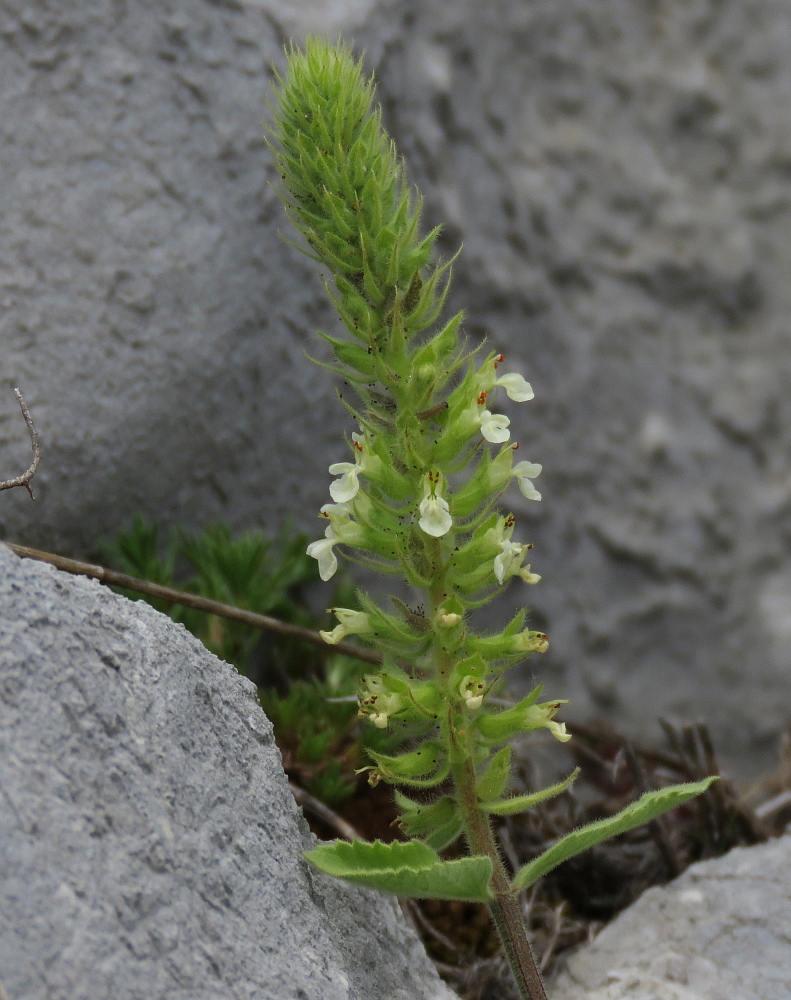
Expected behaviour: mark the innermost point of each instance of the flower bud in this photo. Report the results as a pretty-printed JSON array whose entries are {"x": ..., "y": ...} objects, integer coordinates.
[
  {"x": 351, "y": 623},
  {"x": 426, "y": 373},
  {"x": 448, "y": 619},
  {"x": 524, "y": 717},
  {"x": 530, "y": 642}
]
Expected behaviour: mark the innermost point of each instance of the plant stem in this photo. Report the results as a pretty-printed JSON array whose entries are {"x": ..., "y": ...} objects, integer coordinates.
[{"x": 505, "y": 909}]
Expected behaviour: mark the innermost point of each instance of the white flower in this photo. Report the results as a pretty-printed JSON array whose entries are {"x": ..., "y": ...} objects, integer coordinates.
[
  {"x": 336, "y": 512},
  {"x": 342, "y": 529},
  {"x": 516, "y": 387},
  {"x": 378, "y": 702},
  {"x": 345, "y": 488},
  {"x": 351, "y": 623},
  {"x": 472, "y": 690},
  {"x": 494, "y": 427},
  {"x": 558, "y": 730},
  {"x": 435, "y": 516},
  {"x": 322, "y": 552},
  {"x": 508, "y": 562},
  {"x": 524, "y": 472},
  {"x": 509, "y": 559}
]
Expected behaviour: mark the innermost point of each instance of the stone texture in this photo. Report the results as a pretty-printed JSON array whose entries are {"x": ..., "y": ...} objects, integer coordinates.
[
  {"x": 149, "y": 845},
  {"x": 719, "y": 932},
  {"x": 620, "y": 181}
]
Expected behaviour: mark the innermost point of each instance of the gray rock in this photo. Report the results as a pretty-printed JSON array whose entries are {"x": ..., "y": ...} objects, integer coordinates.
[
  {"x": 719, "y": 932},
  {"x": 620, "y": 183},
  {"x": 149, "y": 845}
]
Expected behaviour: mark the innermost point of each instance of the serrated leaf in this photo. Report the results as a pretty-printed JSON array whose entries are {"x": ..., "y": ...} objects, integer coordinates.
[
  {"x": 519, "y": 803},
  {"x": 647, "y": 807},
  {"x": 493, "y": 783},
  {"x": 406, "y": 869}
]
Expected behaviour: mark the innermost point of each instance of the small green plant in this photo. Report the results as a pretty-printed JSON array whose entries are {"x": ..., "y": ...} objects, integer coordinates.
[
  {"x": 319, "y": 735},
  {"x": 418, "y": 499},
  {"x": 248, "y": 571}
]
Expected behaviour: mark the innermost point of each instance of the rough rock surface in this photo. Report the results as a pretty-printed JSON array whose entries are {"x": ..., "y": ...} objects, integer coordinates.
[
  {"x": 149, "y": 845},
  {"x": 719, "y": 932},
  {"x": 620, "y": 180}
]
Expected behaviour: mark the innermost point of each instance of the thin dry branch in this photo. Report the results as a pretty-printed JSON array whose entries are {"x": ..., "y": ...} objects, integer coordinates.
[
  {"x": 323, "y": 812},
  {"x": 24, "y": 479},
  {"x": 265, "y": 622}
]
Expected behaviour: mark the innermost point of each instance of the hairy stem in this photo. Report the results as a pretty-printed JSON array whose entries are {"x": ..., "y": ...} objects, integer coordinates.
[{"x": 505, "y": 909}]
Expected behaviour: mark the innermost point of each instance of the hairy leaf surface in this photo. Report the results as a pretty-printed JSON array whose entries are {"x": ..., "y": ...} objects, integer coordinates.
[
  {"x": 406, "y": 869},
  {"x": 647, "y": 807}
]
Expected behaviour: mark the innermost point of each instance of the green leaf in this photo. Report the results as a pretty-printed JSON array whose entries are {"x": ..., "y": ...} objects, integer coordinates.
[
  {"x": 408, "y": 768},
  {"x": 437, "y": 823},
  {"x": 647, "y": 807},
  {"x": 406, "y": 869},
  {"x": 519, "y": 803},
  {"x": 353, "y": 355},
  {"x": 420, "y": 817},
  {"x": 445, "y": 835},
  {"x": 493, "y": 782}
]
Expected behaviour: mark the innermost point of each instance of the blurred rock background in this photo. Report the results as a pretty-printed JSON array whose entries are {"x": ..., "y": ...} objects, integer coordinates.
[{"x": 620, "y": 176}]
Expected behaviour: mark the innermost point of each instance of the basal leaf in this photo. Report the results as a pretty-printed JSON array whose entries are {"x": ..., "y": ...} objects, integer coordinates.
[
  {"x": 646, "y": 808},
  {"x": 406, "y": 869}
]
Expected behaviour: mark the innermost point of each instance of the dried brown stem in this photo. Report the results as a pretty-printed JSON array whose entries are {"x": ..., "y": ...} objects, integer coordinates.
[
  {"x": 265, "y": 622},
  {"x": 24, "y": 479},
  {"x": 657, "y": 827},
  {"x": 422, "y": 921},
  {"x": 312, "y": 805},
  {"x": 552, "y": 943}
]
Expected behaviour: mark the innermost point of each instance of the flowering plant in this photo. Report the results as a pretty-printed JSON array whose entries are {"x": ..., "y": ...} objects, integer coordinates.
[{"x": 418, "y": 498}]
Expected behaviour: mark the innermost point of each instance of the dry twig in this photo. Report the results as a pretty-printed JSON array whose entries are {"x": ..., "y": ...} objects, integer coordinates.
[
  {"x": 420, "y": 918},
  {"x": 269, "y": 624},
  {"x": 318, "y": 809},
  {"x": 24, "y": 479}
]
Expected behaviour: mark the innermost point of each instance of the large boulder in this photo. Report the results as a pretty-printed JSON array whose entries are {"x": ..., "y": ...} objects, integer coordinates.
[
  {"x": 619, "y": 181},
  {"x": 149, "y": 844},
  {"x": 719, "y": 932}
]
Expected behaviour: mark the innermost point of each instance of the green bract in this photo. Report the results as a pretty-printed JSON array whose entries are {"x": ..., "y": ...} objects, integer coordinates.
[{"x": 416, "y": 496}]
